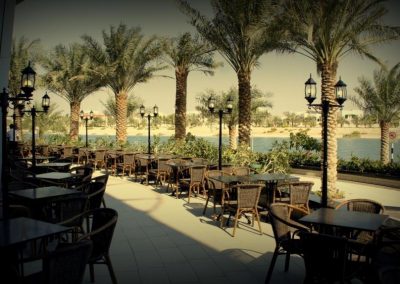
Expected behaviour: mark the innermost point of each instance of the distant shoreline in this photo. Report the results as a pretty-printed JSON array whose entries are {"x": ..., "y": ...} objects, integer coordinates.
[{"x": 204, "y": 131}]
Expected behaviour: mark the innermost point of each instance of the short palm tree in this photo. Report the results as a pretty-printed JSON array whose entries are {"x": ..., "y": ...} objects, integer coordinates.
[
  {"x": 327, "y": 30},
  {"x": 68, "y": 76},
  {"x": 186, "y": 54},
  {"x": 22, "y": 51},
  {"x": 125, "y": 60},
  {"x": 382, "y": 100},
  {"x": 240, "y": 31}
]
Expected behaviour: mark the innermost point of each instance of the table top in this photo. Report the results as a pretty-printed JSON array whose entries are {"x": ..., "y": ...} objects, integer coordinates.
[
  {"x": 37, "y": 158},
  {"x": 346, "y": 219},
  {"x": 55, "y": 175},
  {"x": 20, "y": 230},
  {"x": 56, "y": 165},
  {"x": 266, "y": 177},
  {"x": 42, "y": 193}
]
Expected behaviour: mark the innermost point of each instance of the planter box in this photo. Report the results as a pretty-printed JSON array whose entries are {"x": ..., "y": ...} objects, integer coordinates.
[{"x": 389, "y": 182}]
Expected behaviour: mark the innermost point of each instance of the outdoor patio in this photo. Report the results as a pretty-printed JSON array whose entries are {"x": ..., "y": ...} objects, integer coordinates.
[{"x": 161, "y": 239}]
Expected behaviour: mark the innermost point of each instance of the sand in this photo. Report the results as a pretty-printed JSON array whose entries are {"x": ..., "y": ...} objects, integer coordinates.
[{"x": 373, "y": 132}]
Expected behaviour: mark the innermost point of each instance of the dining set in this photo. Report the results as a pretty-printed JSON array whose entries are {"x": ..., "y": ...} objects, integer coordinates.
[{"x": 56, "y": 211}]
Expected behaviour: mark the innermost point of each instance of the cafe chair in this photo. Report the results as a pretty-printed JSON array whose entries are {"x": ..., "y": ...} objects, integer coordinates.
[
  {"x": 102, "y": 179},
  {"x": 125, "y": 166},
  {"x": 99, "y": 159},
  {"x": 247, "y": 202},
  {"x": 65, "y": 265},
  {"x": 362, "y": 205},
  {"x": 241, "y": 171},
  {"x": 214, "y": 189},
  {"x": 326, "y": 259},
  {"x": 174, "y": 174},
  {"x": 286, "y": 233},
  {"x": 194, "y": 183},
  {"x": 161, "y": 172},
  {"x": 101, "y": 233}
]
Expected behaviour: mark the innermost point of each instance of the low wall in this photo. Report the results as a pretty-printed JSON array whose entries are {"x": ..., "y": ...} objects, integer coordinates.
[{"x": 393, "y": 183}]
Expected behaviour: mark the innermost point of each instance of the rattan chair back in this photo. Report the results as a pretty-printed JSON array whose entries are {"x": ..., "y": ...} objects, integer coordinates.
[
  {"x": 241, "y": 171},
  {"x": 362, "y": 205}
]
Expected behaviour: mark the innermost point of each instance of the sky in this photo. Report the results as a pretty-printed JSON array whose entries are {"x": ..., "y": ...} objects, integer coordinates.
[{"x": 64, "y": 22}]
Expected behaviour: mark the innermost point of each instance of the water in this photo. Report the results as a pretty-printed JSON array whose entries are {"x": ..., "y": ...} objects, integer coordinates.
[{"x": 359, "y": 147}]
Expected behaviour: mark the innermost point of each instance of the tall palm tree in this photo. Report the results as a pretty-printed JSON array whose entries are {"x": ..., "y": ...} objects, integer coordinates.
[
  {"x": 259, "y": 100},
  {"x": 240, "y": 31},
  {"x": 381, "y": 99},
  {"x": 186, "y": 54},
  {"x": 67, "y": 75},
  {"x": 125, "y": 60},
  {"x": 22, "y": 51},
  {"x": 327, "y": 30},
  {"x": 110, "y": 107}
]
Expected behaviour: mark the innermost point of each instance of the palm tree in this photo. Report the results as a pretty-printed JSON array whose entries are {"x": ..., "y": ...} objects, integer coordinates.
[
  {"x": 110, "y": 107},
  {"x": 186, "y": 54},
  {"x": 327, "y": 30},
  {"x": 68, "y": 76},
  {"x": 22, "y": 51},
  {"x": 125, "y": 60},
  {"x": 382, "y": 100},
  {"x": 259, "y": 100},
  {"x": 241, "y": 32}
]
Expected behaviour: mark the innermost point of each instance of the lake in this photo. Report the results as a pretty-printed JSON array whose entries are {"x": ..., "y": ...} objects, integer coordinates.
[{"x": 360, "y": 147}]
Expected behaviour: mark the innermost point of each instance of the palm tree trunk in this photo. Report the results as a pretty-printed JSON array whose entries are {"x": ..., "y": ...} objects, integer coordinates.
[
  {"x": 121, "y": 100},
  {"x": 180, "y": 104},
  {"x": 232, "y": 136},
  {"x": 74, "y": 121},
  {"x": 328, "y": 74},
  {"x": 244, "y": 107},
  {"x": 384, "y": 142}
]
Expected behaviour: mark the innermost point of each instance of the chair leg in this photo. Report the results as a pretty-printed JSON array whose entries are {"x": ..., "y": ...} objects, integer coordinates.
[
  {"x": 91, "y": 269},
  {"x": 205, "y": 206},
  {"x": 271, "y": 266},
  {"x": 258, "y": 220},
  {"x": 110, "y": 269},
  {"x": 287, "y": 259},
  {"x": 236, "y": 222}
]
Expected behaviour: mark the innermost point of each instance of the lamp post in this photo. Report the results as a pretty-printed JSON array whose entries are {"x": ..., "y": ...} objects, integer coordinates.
[
  {"x": 149, "y": 116},
  {"x": 28, "y": 77},
  {"x": 221, "y": 112},
  {"x": 310, "y": 93},
  {"x": 86, "y": 117},
  {"x": 33, "y": 112}
]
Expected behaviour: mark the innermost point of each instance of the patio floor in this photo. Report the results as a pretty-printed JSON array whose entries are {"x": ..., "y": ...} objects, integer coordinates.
[{"x": 161, "y": 239}]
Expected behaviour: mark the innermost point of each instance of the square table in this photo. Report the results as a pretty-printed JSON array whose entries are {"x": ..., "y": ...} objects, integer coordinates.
[
  {"x": 58, "y": 176},
  {"x": 58, "y": 166},
  {"x": 15, "y": 233},
  {"x": 36, "y": 198},
  {"x": 354, "y": 220}
]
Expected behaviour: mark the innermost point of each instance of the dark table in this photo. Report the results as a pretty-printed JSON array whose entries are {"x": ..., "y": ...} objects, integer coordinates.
[
  {"x": 328, "y": 217},
  {"x": 15, "y": 233},
  {"x": 60, "y": 167},
  {"x": 36, "y": 198}
]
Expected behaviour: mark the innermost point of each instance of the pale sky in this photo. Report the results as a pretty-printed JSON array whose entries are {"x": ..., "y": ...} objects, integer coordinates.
[{"x": 60, "y": 21}]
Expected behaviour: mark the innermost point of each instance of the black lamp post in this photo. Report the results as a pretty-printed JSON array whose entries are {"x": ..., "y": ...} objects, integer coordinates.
[
  {"x": 148, "y": 115},
  {"x": 86, "y": 118},
  {"x": 221, "y": 112},
  {"x": 33, "y": 112},
  {"x": 310, "y": 93},
  {"x": 28, "y": 77}
]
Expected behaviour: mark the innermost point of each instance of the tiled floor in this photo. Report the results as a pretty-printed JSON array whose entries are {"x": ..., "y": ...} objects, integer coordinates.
[{"x": 161, "y": 239}]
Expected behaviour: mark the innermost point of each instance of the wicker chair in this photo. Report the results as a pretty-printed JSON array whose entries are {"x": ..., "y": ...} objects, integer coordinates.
[
  {"x": 326, "y": 259},
  {"x": 161, "y": 172},
  {"x": 298, "y": 193},
  {"x": 363, "y": 244},
  {"x": 215, "y": 189},
  {"x": 99, "y": 159},
  {"x": 247, "y": 201},
  {"x": 127, "y": 165},
  {"x": 194, "y": 183},
  {"x": 286, "y": 232},
  {"x": 362, "y": 205},
  {"x": 102, "y": 179},
  {"x": 101, "y": 232},
  {"x": 241, "y": 171},
  {"x": 65, "y": 265}
]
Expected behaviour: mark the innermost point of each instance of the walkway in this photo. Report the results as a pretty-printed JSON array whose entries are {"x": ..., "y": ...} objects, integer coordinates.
[{"x": 161, "y": 239}]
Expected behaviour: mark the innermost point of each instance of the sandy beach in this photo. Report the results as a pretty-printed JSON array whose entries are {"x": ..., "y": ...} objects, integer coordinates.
[{"x": 373, "y": 132}]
